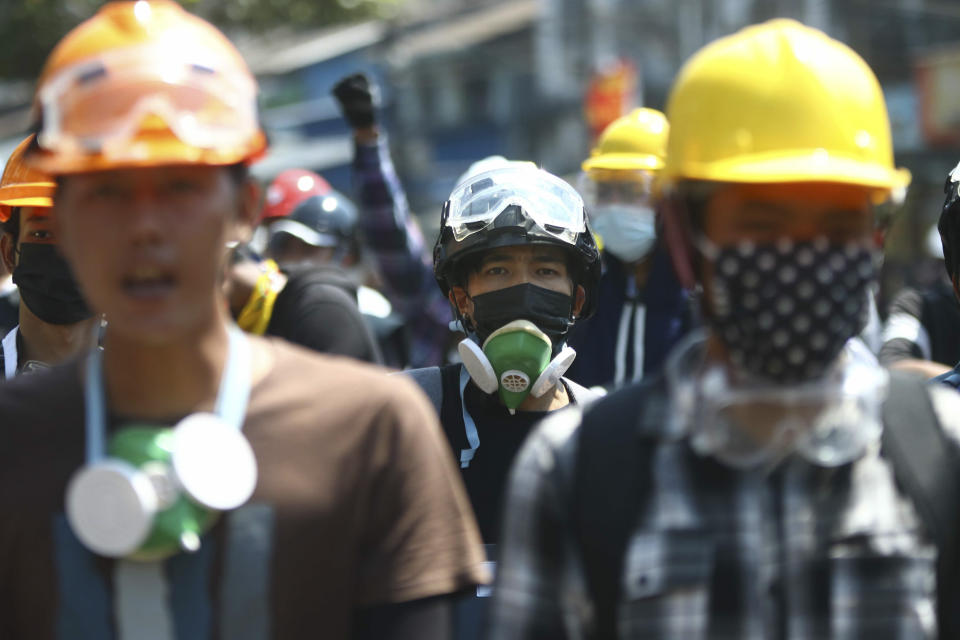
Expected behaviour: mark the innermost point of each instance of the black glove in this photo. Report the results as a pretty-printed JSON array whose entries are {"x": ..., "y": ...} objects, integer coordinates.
[{"x": 358, "y": 100}]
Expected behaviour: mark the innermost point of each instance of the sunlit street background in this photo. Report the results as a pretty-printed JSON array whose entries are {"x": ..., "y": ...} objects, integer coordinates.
[{"x": 529, "y": 79}]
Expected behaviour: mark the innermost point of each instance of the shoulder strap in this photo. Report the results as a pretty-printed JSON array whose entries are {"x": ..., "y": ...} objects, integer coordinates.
[
  {"x": 950, "y": 378},
  {"x": 926, "y": 465},
  {"x": 612, "y": 481},
  {"x": 430, "y": 381}
]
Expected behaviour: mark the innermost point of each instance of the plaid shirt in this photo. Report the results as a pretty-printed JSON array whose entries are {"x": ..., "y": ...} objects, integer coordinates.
[
  {"x": 804, "y": 552},
  {"x": 402, "y": 256}
]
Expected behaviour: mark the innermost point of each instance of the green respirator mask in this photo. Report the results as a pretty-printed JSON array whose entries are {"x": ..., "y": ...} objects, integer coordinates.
[
  {"x": 160, "y": 489},
  {"x": 515, "y": 361}
]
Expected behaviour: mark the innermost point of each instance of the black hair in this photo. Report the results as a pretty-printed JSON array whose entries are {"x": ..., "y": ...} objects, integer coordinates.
[
  {"x": 12, "y": 225},
  {"x": 694, "y": 196},
  {"x": 239, "y": 173},
  {"x": 464, "y": 268}
]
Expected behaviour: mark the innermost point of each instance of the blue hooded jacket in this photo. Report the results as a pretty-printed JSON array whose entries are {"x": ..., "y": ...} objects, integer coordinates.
[{"x": 668, "y": 317}]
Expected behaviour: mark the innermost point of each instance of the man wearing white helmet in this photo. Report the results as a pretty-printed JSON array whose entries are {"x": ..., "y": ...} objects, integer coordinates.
[{"x": 518, "y": 263}]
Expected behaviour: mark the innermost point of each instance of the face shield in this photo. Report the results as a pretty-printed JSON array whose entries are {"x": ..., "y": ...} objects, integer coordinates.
[
  {"x": 100, "y": 105},
  {"x": 549, "y": 201},
  {"x": 621, "y": 212},
  {"x": 605, "y": 187}
]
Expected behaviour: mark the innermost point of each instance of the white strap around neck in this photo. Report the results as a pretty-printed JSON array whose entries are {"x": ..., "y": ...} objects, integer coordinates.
[
  {"x": 10, "y": 353},
  {"x": 231, "y": 403}
]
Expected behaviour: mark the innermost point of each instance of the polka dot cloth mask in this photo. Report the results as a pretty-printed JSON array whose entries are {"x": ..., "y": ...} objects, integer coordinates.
[{"x": 785, "y": 310}]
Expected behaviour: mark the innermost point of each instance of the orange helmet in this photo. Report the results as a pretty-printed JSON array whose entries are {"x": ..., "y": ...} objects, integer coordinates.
[
  {"x": 22, "y": 185},
  {"x": 145, "y": 84}
]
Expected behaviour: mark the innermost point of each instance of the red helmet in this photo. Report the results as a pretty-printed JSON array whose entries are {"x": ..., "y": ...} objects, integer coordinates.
[{"x": 289, "y": 189}]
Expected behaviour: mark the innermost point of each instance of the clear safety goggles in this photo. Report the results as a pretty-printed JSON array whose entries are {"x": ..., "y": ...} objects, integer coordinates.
[
  {"x": 751, "y": 424},
  {"x": 552, "y": 203},
  {"x": 600, "y": 188},
  {"x": 99, "y": 104}
]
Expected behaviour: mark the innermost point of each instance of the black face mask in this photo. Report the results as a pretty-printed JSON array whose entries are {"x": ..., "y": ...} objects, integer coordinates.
[
  {"x": 47, "y": 286},
  {"x": 786, "y": 310},
  {"x": 551, "y": 311}
]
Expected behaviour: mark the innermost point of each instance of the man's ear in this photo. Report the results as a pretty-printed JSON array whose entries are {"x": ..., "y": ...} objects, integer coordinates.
[
  {"x": 579, "y": 297},
  {"x": 460, "y": 299},
  {"x": 7, "y": 249},
  {"x": 248, "y": 210}
]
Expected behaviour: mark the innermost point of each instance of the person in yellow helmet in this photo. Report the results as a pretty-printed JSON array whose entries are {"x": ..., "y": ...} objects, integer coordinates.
[
  {"x": 642, "y": 310},
  {"x": 776, "y": 482},
  {"x": 190, "y": 480},
  {"x": 53, "y": 321},
  {"x": 618, "y": 178}
]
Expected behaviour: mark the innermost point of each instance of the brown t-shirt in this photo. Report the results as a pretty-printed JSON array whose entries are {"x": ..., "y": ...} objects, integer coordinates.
[{"x": 357, "y": 504}]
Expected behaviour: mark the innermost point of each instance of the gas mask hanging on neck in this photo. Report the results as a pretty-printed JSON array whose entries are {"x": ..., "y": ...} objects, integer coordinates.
[
  {"x": 157, "y": 493},
  {"x": 515, "y": 360}
]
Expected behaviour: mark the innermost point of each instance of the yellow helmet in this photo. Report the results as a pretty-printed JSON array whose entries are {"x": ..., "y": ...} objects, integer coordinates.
[
  {"x": 23, "y": 186},
  {"x": 145, "y": 84},
  {"x": 636, "y": 141},
  {"x": 780, "y": 102}
]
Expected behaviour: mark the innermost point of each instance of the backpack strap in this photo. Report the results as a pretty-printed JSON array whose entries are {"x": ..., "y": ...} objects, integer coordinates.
[
  {"x": 950, "y": 378},
  {"x": 611, "y": 483},
  {"x": 927, "y": 467},
  {"x": 430, "y": 381}
]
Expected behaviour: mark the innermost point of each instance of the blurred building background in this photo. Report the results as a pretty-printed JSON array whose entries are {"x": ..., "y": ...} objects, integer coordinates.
[{"x": 536, "y": 79}]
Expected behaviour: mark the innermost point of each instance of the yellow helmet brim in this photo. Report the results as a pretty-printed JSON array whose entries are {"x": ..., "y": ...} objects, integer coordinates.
[
  {"x": 806, "y": 166},
  {"x": 623, "y": 162}
]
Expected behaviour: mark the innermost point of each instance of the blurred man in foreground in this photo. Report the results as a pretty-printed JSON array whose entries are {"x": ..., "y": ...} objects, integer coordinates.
[
  {"x": 191, "y": 480},
  {"x": 777, "y": 483}
]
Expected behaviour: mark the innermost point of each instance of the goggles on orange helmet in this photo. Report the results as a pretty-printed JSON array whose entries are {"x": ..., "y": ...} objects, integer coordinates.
[{"x": 99, "y": 105}]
